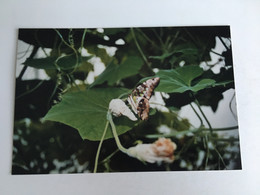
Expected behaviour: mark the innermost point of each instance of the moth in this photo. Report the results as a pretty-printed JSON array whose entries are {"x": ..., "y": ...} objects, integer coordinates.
[{"x": 139, "y": 98}]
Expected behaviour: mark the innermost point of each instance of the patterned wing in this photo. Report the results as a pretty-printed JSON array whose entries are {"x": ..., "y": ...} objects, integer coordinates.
[{"x": 139, "y": 98}]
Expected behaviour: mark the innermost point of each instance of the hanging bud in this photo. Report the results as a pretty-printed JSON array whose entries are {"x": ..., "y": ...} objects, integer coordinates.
[{"x": 160, "y": 151}]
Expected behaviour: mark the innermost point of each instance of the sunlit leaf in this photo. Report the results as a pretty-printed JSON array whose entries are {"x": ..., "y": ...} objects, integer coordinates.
[
  {"x": 202, "y": 84},
  {"x": 180, "y": 80},
  {"x": 86, "y": 111}
]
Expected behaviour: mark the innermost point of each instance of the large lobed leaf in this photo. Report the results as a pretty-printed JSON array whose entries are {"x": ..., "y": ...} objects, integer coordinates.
[
  {"x": 180, "y": 80},
  {"x": 86, "y": 111}
]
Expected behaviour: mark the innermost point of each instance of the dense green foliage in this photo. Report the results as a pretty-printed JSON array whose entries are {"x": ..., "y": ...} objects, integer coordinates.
[{"x": 62, "y": 119}]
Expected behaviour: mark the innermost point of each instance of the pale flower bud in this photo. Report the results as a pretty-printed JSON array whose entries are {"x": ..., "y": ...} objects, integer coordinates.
[
  {"x": 160, "y": 151},
  {"x": 118, "y": 107}
]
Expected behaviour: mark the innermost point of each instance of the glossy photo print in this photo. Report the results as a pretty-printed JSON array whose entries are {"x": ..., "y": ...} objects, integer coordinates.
[{"x": 100, "y": 100}]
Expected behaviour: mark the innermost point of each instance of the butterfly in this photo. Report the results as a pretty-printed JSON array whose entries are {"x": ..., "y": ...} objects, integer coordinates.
[{"x": 139, "y": 98}]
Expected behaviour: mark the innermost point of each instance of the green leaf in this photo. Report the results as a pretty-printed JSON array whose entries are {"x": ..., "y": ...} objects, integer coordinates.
[
  {"x": 41, "y": 63},
  {"x": 64, "y": 63},
  {"x": 202, "y": 84},
  {"x": 115, "y": 72},
  {"x": 99, "y": 52},
  {"x": 183, "y": 49},
  {"x": 180, "y": 80},
  {"x": 86, "y": 111},
  {"x": 223, "y": 83},
  {"x": 187, "y": 49}
]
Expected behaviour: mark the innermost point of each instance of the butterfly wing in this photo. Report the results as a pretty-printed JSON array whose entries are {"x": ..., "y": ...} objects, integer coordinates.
[
  {"x": 143, "y": 109},
  {"x": 139, "y": 97},
  {"x": 150, "y": 85}
]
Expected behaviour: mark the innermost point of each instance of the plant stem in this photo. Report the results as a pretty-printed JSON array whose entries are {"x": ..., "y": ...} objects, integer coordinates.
[
  {"x": 185, "y": 147},
  {"x": 180, "y": 133},
  {"x": 31, "y": 90},
  {"x": 110, "y": 156},
  {"x": 230, "y": 107},
  {"x": 173, "y": 40},
  {"x": 207, "y": 152},
  {"x": 185, "y": 132},
  {"x": 72, "y": 81},
  {"x": 23, "y": 53},
  {"x": 222, "y": 160},
  {"x": 34, "y": 51},
  {"x": 225, "y": 139},
  {"x": 198, "y": 104},
  {"x": 148, "y": 39},
  {"x": 159, "y": 38},
  {"x": 221, "y": 129},
  {"x": 70, "y": 46},
  {"x": 99, "y": 147},
  {"x": 223, "y": 43},
  {"x": 216, "y": 53},
  {"x": 201, "y": 122},
  {"x": 139, "y": 48},
  {"x": 83, "y": 39},
  {"x": 40, "y": 44},
  {"x": 118, "y": 143},
  {"x": 58, "y": 82}
]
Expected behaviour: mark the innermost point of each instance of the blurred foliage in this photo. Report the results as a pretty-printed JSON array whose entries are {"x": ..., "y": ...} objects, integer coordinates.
[{"x": 52, "y": 147}]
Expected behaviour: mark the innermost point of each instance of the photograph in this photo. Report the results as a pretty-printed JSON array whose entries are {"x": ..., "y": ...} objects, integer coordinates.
[{"x": 139, "y": 99}]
